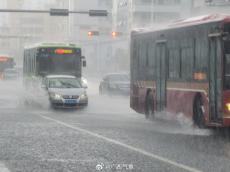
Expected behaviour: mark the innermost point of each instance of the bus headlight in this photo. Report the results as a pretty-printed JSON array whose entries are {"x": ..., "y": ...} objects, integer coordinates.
[{"x": 228, "y": 106}]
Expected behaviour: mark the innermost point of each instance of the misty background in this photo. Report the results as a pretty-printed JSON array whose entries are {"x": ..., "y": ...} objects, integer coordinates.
[{"x": 104, "y": 53}]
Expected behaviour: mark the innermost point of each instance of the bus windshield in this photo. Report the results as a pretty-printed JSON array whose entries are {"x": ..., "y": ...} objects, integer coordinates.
[{"x": 59, "y": 63}]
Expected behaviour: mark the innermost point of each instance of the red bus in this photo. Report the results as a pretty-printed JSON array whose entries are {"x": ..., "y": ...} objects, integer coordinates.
[
  {"x": 183, "y": 68},
  {"x": 5, "y": 63}
]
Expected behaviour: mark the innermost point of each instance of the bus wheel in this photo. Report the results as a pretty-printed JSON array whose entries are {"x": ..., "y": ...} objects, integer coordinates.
[
  {"x": 198, "y": 114},
  {"x": 149, "y": 109}
]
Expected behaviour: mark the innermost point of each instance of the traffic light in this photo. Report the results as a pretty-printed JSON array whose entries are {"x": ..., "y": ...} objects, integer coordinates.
[
  {"x": 98, "y": 13},
  {"x": 93, "y": 33},
  {"x": 59, "y": 12},
  {"x": 115, "y": 34},
  {"x": 90, "y": 33}
]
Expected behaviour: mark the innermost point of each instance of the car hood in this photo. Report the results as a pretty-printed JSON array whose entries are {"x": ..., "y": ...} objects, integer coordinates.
[{"x": 67, "y": 91}]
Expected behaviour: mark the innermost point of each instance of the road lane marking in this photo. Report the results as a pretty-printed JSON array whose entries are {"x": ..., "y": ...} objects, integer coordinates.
[
  {"x": 67, "y": 160},
  {"x": 143, "y": 152},
  {"x": 3, "y": 168}
]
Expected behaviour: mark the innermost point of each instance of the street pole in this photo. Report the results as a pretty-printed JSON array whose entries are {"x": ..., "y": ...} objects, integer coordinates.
[
  {"x": 99, "y": 57},
  {"x": 59, "y": 12},
  {"x": 69, "y": 23}
]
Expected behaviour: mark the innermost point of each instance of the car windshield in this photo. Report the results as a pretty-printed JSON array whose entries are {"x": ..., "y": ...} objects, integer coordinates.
[
  {"x": 121, "y": 78},
  {"x": 64, "y": 83}
]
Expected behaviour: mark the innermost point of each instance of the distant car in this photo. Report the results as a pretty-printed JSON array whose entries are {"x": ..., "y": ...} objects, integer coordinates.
[
  {"x": 116, "y": 83},
  {"x": 65, "y": 91},
  {"x": 9, "y": 74}
]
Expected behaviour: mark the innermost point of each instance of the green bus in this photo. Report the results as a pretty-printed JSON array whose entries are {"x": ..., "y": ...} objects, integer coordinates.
[{"x": 53, "y": 58}]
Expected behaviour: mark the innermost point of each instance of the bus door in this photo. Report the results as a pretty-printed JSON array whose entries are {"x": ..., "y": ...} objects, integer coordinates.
[
  {"x": 215, "y": 77},
  {"x": 161, "y": 75}
]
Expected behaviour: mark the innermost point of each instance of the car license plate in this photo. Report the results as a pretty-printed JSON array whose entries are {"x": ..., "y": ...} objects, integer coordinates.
[{"x": 70, "y": 101}]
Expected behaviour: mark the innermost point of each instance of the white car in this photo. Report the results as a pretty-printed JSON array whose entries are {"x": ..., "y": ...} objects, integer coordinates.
[
  {"x": 115, "y": 83},
  {"x": 65, "y": 91}
]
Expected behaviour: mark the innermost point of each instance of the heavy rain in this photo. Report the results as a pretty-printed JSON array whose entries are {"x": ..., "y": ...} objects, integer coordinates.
[{"x": 114, "y": 85}]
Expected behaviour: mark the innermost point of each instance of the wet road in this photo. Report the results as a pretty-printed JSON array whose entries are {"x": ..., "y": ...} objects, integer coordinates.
[{"x": 105, "y": 136}]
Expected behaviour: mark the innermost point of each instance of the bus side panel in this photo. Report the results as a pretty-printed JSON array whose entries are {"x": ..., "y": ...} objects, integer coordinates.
[
  {"x": 138, "y": 98},
  {"x": 226, "y": 115},
  {"x": 145, "y": 86},
  {"x": 142, "y": 98},
  {"x": 206, "y": 107},
  {"x": 134, "y": 97},
  {"x": 179, "y": 101}
]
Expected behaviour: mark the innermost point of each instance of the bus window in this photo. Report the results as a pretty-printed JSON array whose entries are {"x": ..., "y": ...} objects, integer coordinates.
[
  {"x": 174, "y": 64},
  {"x": 227, "y": 65},
  {"x": 187, "y": 63},
  {"x": 43, "y": 64}
]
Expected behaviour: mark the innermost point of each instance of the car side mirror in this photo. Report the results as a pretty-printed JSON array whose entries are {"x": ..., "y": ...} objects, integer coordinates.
[{"x": 84, "y": 63}]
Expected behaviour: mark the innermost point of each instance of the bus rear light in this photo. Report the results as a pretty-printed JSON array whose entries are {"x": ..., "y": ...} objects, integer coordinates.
[{"x": 228, "y": 106}]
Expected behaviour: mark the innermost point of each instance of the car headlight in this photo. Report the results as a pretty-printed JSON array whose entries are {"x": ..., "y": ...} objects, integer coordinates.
[
  {"x": 55, "y": 96},
  {"x": 83, "y": 96}
]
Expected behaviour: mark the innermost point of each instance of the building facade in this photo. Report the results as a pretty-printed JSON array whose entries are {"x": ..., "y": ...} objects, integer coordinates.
[
  {"x": 96, "y": 48},
  {"x": 215, "y": 6},
  {"x": 129, "y": 14},
  {"x": 23, "y": 28},
  {"x": 4, "y": 28}
]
